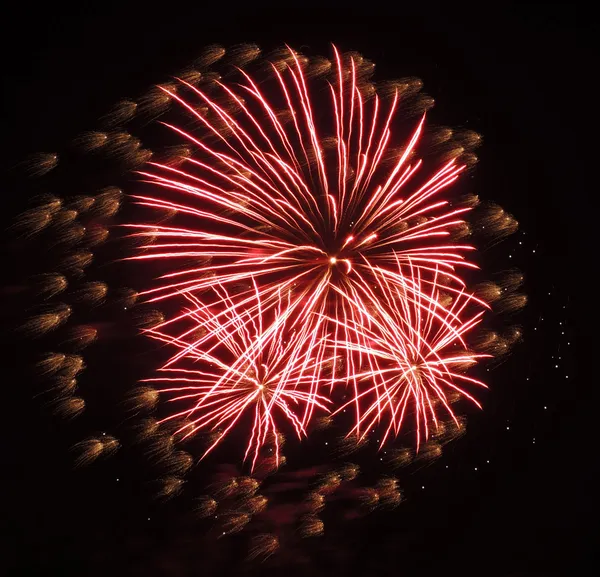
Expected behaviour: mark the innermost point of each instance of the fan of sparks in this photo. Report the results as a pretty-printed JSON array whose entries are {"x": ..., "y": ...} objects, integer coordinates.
[{"x": 310, "y": 252}]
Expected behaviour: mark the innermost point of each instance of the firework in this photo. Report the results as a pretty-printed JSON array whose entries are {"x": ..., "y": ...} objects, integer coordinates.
[
  {"x": 311, "y": 261},
  {"x": 205, "y": 506},
  {"x": 263, "y": 546},
  {"x": 91, "y": 449},
  {"x": 339, "y": 220},
  {"x": 80, "y": 337},
  {"x": 311, "y": 526},
  {"x": 263, "y": 369},
  {"x": 413, "y": 352}
]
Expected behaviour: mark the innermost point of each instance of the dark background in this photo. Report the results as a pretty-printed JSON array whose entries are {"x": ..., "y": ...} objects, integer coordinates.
[{"x": 518, "y": 74}]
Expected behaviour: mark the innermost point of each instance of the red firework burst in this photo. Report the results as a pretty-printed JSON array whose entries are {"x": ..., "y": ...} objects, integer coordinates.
[
  {"x": 412, "y": 352},
  {"x": 227, "y": 366},
  {"x": 319, "y": 237}
]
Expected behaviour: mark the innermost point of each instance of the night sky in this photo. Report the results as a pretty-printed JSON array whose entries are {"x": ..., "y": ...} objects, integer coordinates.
[{"x": 514, "y": 496}]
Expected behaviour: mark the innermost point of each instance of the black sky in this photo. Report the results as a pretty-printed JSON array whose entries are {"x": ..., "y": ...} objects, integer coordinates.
[{"x": 519, "y": 75}]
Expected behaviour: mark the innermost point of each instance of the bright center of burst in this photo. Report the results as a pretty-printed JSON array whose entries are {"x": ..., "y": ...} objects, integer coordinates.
[{"x": 334, "y": 261}]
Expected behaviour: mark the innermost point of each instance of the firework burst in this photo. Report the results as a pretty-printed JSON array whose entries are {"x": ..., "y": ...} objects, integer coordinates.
[
  {"x": 412, "y": 354},
  {"x": 264, "y": 369},
  {"x": 325, "y": 213}
]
